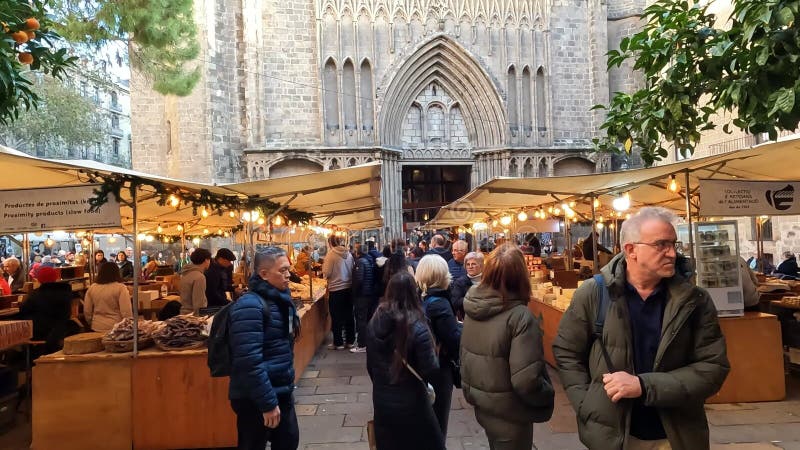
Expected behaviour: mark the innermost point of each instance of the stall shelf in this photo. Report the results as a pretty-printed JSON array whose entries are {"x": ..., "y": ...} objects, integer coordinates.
[
  {"x": 754, "y": 351},
  {"x": 160, "y": 400}
]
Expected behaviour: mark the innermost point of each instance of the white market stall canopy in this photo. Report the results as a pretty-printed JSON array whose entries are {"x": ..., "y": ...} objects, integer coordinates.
[
  {"x": 347, "y": 197},
  {"x": 773, "y": 161}
]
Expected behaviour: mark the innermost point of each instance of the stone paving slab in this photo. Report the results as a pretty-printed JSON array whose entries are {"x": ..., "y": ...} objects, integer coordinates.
[{"x": 343, "y": 401}]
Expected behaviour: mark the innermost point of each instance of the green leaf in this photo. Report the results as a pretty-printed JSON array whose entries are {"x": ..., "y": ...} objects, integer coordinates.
[
  {"x": 785, "y": 16},
  {"x": 783, "y": 101}
]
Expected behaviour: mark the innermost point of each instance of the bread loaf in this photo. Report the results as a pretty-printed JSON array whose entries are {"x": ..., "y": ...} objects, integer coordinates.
[{"x": 83, "y": 343}]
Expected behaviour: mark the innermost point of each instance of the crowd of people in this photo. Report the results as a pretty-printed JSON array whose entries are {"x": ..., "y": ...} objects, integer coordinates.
[{"x": 638, "y": 351}]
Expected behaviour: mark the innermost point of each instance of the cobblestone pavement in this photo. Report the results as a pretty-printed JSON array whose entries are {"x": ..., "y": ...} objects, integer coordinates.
[{"x": 334, "y": 404}]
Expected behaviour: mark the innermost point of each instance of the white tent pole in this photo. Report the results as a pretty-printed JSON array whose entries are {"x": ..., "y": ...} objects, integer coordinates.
[
  {"x": 137, "y": 271},
  {"x": 567, "y": 243},
  {"x": 595, "y": 259},
  {"x": 689, "y": 218}
]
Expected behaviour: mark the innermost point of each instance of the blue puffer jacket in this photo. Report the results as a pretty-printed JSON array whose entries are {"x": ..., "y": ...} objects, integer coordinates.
[
  {"x": 262, "y": 345},
  {"x": 364, "y": 277}
]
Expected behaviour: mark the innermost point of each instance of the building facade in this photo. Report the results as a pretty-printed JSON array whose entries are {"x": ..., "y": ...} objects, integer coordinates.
[
  {"x": 109, "y": 94},
  {"x": 447, "y": 94}
]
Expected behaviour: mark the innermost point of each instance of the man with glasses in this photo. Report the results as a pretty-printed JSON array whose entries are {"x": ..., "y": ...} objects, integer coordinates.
[
  {"x": 456, "y": 264},
  {"x": 263, "y": 328},
  {"x": 665, "y": 352}
]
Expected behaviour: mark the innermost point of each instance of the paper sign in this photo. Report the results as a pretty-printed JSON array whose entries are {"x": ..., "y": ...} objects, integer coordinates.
[
  {"x": 61, "y": 208},
  {"x": 726, "y": 198}
]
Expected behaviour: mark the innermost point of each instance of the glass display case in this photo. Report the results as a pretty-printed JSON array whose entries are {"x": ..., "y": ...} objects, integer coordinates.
[{"x": 716, "y": 250}]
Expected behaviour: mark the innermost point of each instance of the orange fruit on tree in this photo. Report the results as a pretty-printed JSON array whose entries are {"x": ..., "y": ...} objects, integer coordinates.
[
  {"x": 20, "y": 37},
  {"x": 31, "y": 24},
  {"x": 31, "y": 35},
  {"x": 25, "y": 58}
]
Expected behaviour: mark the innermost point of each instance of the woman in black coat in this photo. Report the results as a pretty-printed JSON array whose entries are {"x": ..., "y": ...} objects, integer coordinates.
[
  {"x": 125, "y": 266},
  {"x": 433, "y": 279},
  {"x": 398, "y": 334},
  {"x": 49, "y": 307}
]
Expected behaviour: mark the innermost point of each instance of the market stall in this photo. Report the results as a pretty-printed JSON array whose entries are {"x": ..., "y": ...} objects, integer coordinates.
[
  {"x": 753, "y": 339},
  {"x": 167, "y": 399}
]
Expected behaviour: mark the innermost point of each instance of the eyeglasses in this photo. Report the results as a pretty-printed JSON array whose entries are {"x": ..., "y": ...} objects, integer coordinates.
[{"x": 662, "y": 245}]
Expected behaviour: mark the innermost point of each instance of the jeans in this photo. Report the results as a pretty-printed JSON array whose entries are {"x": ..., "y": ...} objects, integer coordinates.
[
  {"x": 253, "y": 435},
  {"x": 341, "y": 307},
  {"x": 363, "y": 307}
]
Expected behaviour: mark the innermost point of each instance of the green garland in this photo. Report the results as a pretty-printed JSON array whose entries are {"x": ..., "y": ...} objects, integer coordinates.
[{"x": 112, "y": 184}]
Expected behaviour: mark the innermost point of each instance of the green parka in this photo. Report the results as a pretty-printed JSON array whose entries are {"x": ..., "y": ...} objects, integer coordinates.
[
  {"x": 502, "y": 367},
  {"x": 690, "y": 365}
]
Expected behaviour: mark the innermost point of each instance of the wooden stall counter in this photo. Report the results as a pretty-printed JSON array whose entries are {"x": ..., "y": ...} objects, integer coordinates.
[
  {"x": 756, "y": 356},
  {"x": 160, "y": 400},
  {"x": 549, "y": 317}
]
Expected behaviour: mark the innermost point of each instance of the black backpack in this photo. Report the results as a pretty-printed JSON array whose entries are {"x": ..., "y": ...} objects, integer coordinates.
[
  {"x": 219, "y": 349},
  {"x": 600, "y": 320}
]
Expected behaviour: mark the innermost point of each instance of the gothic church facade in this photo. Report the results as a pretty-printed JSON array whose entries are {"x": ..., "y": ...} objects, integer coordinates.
[{"x": 447, "y": 94}]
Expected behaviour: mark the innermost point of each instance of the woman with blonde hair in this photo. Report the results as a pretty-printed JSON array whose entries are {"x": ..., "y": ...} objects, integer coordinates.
[
  {"x": 433, "y": 279},
  {"x": 503, "y": 368}
]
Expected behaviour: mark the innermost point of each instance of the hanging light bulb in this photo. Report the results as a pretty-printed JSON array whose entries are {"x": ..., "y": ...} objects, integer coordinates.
[
  {"x": 494, "y": 223},
  {"x": 204, "y": 213},
  {"x": 600, "y": 225},
  {"x": 166, "y": 240},
  {"x": 196, "y": 241},
  {"x": 278, "y": 221},
  {"x": 159, "y": 229},
  {"x": 673, "y": 185},
  {"x": 596, "y": 203},
  {"x": 112, "y": 239},
  {"x": 179, "y": 228},
  {"x": 85, "y": 242},
  {"x": 505, "y": 220},
  {"x": 246, "y": 216},
  {"x": 148, "y": 238},
  {"x": 572, "y": 204},
  {"x": 232, "y": 214},
  {"x": 80, "y": 234},
  {"x": 612, "y": 226},
  {"x": 574, "y": 219},
  {"x": 556, "y": 211},
  {"x": 49, "y": 242},
  {"x": 425, "y": 217},
  {"x": 219, "y": 232},
  {"x": 254, "y": 215},
  {"x": 261, "y": 221},
  {"x": 140, "y": 237},
  {"x": 627, "y": 216},
  {"x": 226, "y": 234},
  {"x": 522, "y": 216},
  {"x": 550, "y": 210},
  {"x": 622, "y": 203},
  {"x": 174, "y": 201},
  {"x": 205, "y": 231}
]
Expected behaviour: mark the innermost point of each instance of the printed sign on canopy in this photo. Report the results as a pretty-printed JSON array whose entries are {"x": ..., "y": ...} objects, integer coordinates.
[
  {"x": 59, "y": 208},
  {"x": 727, "y": 198}
]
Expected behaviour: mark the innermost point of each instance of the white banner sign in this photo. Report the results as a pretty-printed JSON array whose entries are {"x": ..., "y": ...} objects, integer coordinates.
[
  {"x": 61, "y": 208},
  {"x": 726, "y": 198}
]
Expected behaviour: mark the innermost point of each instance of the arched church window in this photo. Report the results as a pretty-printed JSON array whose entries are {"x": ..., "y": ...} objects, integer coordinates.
[
  {"x": 527, "y": 169},
  {"x": 367, "y": 111},
  {"x": 331, "y": 98},
  {"x": 334, "y": 164},
  {"x": 527, "y": 112},
  {"x": 543, "y": 172},
  {"x": 541, "y": 101},
  {"x": 511, "y": 100},
  {"x": 436, "y": 126},
  {"x": 349, "y": 97},
  {"x": 512, "y": 168}
]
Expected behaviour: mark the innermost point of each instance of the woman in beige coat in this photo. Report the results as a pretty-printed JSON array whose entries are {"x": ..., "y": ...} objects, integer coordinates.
[{"x": 107, "y": 301}]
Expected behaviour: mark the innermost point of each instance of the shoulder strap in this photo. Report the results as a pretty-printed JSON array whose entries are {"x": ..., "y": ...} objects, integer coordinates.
[{"x": 602, "y": 308}]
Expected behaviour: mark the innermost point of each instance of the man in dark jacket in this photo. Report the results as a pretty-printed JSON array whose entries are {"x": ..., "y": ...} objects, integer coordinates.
[
  {"x": 788, "y": 268},
  {"x": 219, "y": 278},
  {"x": 13, "y": 269},
  {"x": 263, "y": 327},
  {"x": 363, "y": 295},
  {"x": 650, "y": 391},
  {"x": 438, "y": 248},
  {"x": 456, "y": 264}
]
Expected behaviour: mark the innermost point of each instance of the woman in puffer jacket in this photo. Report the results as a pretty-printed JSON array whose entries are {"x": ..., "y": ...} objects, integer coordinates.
[
  {"x": 398, "y": 340},
  {"x": 502, "y": 360}
]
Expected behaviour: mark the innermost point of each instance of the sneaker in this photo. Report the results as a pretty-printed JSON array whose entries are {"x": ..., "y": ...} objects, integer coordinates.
[
  {"x": 335, "y": 347},
  {"x": 358, "y": 350},
  {"x": 349, "y": 346}
]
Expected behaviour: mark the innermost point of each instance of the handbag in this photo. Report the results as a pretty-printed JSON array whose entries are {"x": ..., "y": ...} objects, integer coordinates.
[{"x": 428, "y": 388}]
